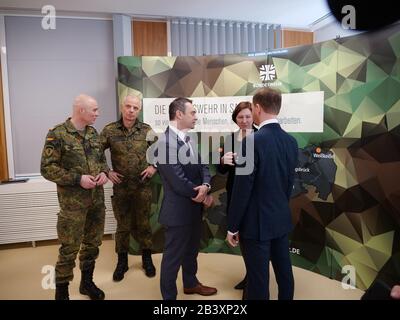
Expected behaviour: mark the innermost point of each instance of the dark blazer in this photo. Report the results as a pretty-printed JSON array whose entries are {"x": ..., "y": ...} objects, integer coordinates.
[
  {"x": 179, "y": 180},
  {"x": 259, "y": 208},
  {"x": 223, "y": 168}
]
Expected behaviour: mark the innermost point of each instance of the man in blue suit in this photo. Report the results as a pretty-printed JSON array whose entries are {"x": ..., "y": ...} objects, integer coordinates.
[
  {"x": 259, "y": 211},
  {"x": 186, "y": 185}
]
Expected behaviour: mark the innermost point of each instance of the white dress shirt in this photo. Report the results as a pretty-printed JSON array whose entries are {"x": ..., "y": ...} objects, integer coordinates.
[
  {"x": 182, "y": 136},
  {"x": 267, "y": 122}
]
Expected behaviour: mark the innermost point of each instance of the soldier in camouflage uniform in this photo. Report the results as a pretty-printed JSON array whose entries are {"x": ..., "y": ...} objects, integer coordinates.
[
  {"x": 131, "y": 200},
  {"x": 73, "y": 158}
]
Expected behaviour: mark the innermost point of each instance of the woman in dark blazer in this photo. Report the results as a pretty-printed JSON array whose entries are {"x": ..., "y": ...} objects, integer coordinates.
[{"x": 242, "y": 116}]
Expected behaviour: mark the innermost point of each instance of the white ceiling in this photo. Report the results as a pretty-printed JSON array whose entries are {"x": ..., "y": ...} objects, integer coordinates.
[{"x": 289, "y": 13}]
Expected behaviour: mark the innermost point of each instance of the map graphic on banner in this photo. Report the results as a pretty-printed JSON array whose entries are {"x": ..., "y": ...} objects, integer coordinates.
[
  {"x": 341, "y": 101},
  {"x": 316, "y": 168}
]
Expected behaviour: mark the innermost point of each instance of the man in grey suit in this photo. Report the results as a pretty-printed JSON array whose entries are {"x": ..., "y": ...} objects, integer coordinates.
[{"x": 186, "y": 185}]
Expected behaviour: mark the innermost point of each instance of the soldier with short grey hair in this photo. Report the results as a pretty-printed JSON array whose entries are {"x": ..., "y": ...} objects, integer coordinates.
[{"x": 132, "y": 192}]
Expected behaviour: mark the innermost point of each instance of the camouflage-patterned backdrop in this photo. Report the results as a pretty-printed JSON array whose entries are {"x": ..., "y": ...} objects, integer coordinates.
[{"x": 346, "y": 201}]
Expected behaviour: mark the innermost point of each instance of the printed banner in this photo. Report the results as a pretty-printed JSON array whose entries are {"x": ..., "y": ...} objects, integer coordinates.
[{"x": 300, "y": 112}]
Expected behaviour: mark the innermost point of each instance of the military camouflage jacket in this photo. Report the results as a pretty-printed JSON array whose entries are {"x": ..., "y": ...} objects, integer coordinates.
[
  {"x": 67, "y": 155},
  {"x": 128, "y": 147}
]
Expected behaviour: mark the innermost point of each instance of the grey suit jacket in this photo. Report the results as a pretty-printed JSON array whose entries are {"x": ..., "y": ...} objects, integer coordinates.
[{"x": 179, "y": 175}]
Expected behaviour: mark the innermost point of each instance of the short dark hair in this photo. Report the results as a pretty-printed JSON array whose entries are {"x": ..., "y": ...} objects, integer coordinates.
[
  {"x": 269, "y": 99},
  {"x": 177, "y": 104},
  {"x": 240, "y": 106}
]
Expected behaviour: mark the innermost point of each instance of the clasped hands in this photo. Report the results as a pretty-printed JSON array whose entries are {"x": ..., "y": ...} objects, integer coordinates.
[
  {"x": 116, "y": 177},
  {"x": 90, "y": 182},
  {"x": 203, "y": 197}
]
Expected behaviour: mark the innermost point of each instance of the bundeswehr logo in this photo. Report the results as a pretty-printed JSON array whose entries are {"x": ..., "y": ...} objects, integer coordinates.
[{"x": 267, "y": 72}]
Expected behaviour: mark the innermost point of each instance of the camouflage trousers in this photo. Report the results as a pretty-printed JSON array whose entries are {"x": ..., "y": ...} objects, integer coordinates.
[
  {"x": 78, "y": 231},
  {"x": 131, "y": 206}
]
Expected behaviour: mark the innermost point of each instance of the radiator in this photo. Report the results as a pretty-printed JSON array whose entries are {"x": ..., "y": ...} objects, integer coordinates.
[{"x": 28, "y": 211}]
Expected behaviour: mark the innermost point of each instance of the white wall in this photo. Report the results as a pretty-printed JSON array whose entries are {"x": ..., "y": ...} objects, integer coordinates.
[
  {"x": 46, "y": 70},
  {"x": 292, "y": 13},
  {"x": 331, "y": 31}
]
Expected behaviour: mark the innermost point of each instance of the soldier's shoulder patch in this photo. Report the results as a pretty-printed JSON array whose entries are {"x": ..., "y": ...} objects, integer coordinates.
[
  {"x": 57, "y": 126},
  {"x": 48, "y": 150},
  {"x": 146, "y": 127},
  {"x": 51, "y": 130},
  {"x": 92, "y": 129},
  {"x": 110, "y": 126}
]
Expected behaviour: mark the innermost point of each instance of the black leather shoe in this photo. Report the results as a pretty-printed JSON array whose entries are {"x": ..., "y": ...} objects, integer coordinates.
[{"x": 242, "y": 284}]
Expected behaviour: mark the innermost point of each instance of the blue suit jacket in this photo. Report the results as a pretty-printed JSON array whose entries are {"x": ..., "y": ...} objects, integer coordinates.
[
  {"x": 259, "y": 208},
  {"x": 179, "y": 179}
]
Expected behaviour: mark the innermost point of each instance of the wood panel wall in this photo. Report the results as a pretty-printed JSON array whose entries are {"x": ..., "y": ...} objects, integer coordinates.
[
  {"x": 149, "y": 38},
  {"x": 293, "y": 38},
  {"x": 3, "y": 146}
]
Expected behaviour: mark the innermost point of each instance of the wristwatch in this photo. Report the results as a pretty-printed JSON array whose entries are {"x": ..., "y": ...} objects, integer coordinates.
[{"x": 207, "y": 185}]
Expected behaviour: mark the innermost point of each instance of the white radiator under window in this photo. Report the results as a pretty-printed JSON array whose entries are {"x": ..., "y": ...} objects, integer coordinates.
[{"x": 28, "y": 211}]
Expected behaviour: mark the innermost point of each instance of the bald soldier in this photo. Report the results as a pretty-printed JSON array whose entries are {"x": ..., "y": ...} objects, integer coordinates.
[
  {"x": 73, "y": 158},
  {"x": 131, "y": 200}
]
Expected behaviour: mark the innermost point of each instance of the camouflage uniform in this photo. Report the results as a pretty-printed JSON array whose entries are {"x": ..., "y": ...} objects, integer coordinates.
[
  {"x": 131, "y": 200},
  {"x": 67, "y": 155}
]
